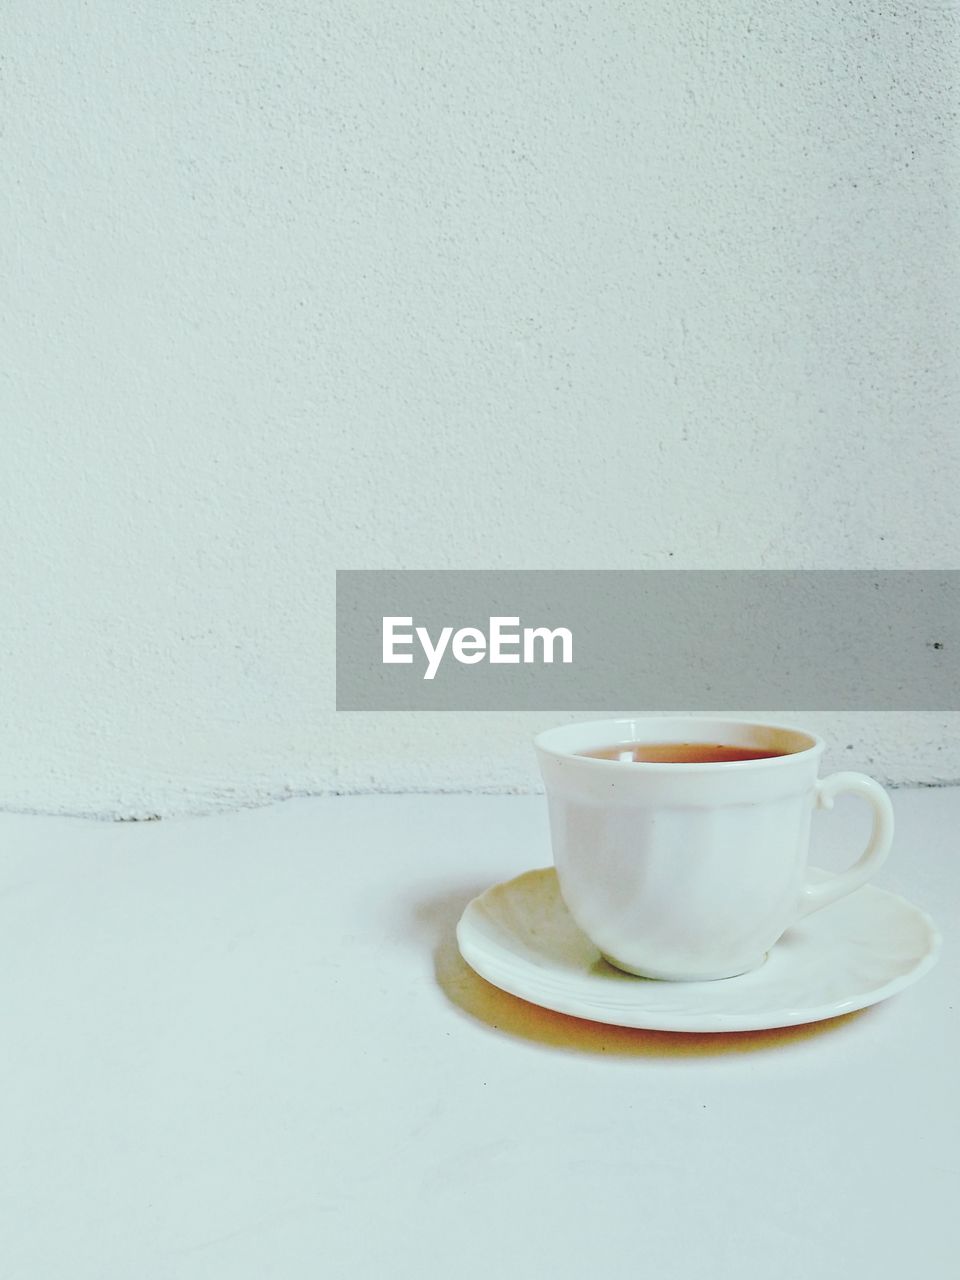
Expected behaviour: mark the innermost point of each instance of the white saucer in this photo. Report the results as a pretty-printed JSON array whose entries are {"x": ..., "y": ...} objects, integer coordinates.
[{"x": 868, "y": 946}]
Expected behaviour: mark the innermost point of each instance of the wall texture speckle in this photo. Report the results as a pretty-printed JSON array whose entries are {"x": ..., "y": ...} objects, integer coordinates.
[{"x": 295, "y": 287}]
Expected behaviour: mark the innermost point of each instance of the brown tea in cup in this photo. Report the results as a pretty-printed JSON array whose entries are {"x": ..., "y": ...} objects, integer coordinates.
[{"x": 679, "y": 753}]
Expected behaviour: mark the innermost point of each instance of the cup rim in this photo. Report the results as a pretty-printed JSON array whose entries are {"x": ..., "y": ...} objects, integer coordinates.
[{"x": 543, "y": 743}]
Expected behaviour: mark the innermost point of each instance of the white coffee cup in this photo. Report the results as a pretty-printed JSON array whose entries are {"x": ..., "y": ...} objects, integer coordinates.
[{"x": 692, "y": 871}]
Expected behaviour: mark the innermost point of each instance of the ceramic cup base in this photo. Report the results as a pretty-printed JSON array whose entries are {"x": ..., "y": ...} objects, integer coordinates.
[{"x": 738, "y": 972}]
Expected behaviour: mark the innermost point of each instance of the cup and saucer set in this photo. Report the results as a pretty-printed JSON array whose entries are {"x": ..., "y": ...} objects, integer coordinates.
[{"x": 681, "y": 898}]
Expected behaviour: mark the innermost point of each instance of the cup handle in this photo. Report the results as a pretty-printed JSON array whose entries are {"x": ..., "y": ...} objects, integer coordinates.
[{"x": 815, "y": 896}]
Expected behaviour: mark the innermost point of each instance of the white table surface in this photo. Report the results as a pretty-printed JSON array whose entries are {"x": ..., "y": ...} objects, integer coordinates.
[{"x": 245, "y": 1046}]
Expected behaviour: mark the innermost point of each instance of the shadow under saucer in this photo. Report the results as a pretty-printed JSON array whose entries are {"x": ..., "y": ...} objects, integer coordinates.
[{"x": 507, "y": 1014}]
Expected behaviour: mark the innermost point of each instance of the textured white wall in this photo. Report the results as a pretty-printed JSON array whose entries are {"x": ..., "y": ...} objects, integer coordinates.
[{"x": 294, "y": 287}]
